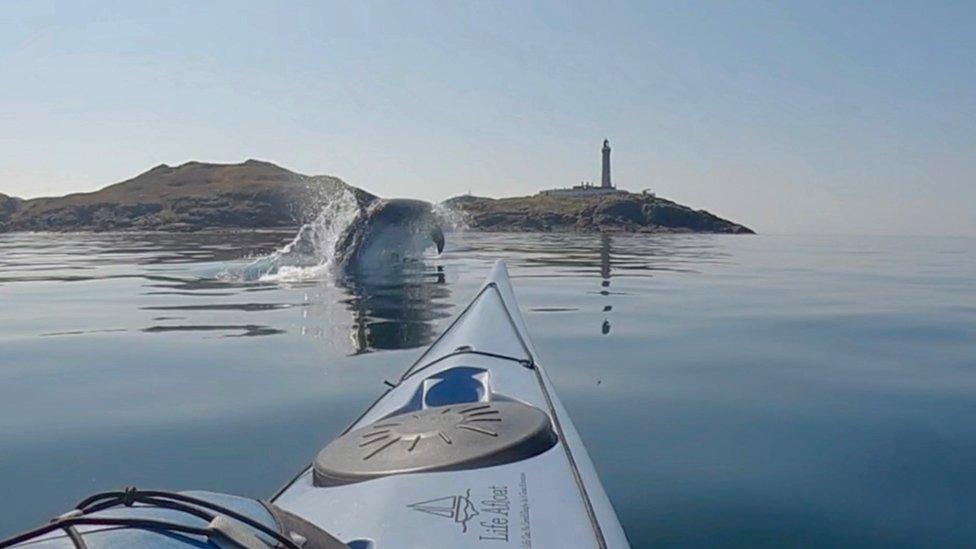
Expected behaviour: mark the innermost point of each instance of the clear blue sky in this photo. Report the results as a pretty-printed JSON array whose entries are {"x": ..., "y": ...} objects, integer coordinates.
[{"x": 796, "y": 117}]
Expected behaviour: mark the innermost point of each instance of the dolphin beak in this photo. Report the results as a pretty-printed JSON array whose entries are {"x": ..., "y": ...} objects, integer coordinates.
[{"x": 437, "y": 235}]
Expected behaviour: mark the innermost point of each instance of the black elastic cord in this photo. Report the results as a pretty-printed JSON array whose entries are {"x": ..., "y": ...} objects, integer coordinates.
[
  {"x": 154, "y": 498},
  {"x": 151, "y": 496},
  {"x": 129, "y": 496}
]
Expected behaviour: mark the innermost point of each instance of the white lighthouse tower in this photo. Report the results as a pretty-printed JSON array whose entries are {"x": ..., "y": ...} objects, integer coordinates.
[{"x": 606, "y": 184}]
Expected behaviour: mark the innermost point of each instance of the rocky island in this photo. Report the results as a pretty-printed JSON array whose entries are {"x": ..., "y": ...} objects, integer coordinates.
[
  {"x": 261, "y": 195},
  {"x": 617, "y": 212},
  {"x": 192, "y": 196},
  {"x": 589, "y": 208}
]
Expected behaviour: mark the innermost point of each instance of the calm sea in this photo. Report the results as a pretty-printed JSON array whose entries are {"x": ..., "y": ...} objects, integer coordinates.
[{"x": 732, "y": 390}]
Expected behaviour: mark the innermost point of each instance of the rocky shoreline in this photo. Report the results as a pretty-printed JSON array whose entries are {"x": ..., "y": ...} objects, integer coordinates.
[
  {"x": 619, "y": 212},
  {"x": 260, "y": 195}
]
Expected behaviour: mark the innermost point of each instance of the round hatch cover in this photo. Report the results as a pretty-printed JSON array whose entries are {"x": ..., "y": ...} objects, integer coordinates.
[{"x": 444, "y": 438}]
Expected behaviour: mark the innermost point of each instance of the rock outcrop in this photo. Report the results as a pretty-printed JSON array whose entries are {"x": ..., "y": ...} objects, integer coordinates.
[
  {"x": 8, "y": 205},
  {"x": 191, "y": 196},
  {"x": 622, "y": 212}
]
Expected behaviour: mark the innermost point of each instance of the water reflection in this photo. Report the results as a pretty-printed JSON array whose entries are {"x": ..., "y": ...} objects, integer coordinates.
[
  {"x": 180, "y": 288},
  {"x": 574, "y": 255},
  {"x": 605, "y": 250},
  {"x": 600, "y": 258},
  {"x": 244, "y": 330},
  {"x": 397, "y": 307}
]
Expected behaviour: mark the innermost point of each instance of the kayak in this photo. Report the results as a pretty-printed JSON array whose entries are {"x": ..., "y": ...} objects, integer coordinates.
[{"x": 470, "y": 448}]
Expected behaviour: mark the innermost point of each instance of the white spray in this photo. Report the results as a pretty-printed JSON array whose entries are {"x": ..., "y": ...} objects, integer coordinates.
[{"x": 312, "y": 253}]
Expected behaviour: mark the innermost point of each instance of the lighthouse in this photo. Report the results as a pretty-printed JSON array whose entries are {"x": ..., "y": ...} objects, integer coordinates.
[{"x": 586, "y": 188}]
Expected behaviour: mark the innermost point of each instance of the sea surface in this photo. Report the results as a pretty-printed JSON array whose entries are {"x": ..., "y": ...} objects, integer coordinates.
[{"x": 732, "y": 390}]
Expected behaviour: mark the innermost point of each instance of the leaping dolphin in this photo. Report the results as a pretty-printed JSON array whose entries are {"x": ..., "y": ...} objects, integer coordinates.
[
  {"x": 381, "y": 234},
  {"x": 388, "y": 232}
]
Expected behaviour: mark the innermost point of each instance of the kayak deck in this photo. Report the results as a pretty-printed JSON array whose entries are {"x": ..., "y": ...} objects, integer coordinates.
[{"x": 472, "y": 446}]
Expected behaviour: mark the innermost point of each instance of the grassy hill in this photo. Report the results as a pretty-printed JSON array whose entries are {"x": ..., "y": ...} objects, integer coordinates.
[{"x": 194, "y": 195}]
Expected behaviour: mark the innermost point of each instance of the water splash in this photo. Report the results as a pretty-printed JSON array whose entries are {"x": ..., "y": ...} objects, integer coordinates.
[
  {"x": 312, "y": 253},
  {"x": 452, "y": 218}
]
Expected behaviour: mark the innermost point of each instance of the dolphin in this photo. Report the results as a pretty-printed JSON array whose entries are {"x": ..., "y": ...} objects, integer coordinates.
[
  {"x": 389, "y": 232},
  {"x": 380, "y": 235}
]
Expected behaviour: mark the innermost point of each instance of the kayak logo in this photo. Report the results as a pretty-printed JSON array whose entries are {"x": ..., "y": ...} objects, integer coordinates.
[{"x": 457, "y": 508}]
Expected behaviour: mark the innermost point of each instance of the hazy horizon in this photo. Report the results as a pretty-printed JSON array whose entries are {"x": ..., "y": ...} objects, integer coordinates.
[{"x": 790, "y": 118}]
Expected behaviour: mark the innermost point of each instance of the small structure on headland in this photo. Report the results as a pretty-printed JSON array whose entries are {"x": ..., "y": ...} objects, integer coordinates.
[
  {"x": 605, "y": 182},
  {"x": 589, "y": 189}
]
